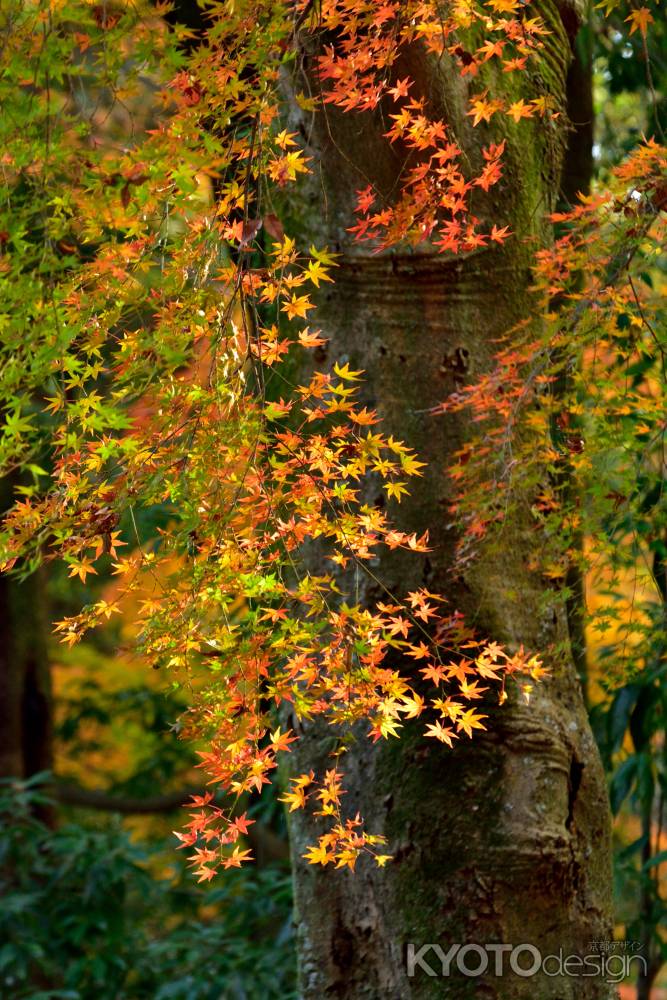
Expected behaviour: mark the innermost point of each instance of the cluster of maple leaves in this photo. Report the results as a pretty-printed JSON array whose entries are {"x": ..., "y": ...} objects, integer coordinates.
[
  {"x": 150, "y": 370},
  {"x": 572, "y": 417},
  {"x": 356, "y": 73}
]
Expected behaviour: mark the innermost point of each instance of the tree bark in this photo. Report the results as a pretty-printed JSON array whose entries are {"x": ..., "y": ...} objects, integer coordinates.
[
  {"x": 25, "y": 675},
  {"x": 578, "y": 162},
  {"x": 505, "y": 839}
]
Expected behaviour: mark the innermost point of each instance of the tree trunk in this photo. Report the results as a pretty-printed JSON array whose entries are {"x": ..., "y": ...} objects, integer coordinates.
[
  {"x": 25, "y": 675},
  {"x": 578, "y": 162},
  {"x": 506, "y": 839}
]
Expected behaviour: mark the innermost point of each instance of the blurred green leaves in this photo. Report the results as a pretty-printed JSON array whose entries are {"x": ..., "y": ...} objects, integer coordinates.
[{"x": 84, "y": 915}]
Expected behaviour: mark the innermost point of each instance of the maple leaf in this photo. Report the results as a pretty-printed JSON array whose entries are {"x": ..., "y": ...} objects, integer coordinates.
[
  {"x": 200, "y": 800},
  {"x": 386, "y": 727},
  {"x": 435, "y": 672},
  {"x": 297, "y": 306},
  {"x": 400, "y": 89},
  {"x": 319, "y": 855},
  {"x": 281, "y": 741},
  {"x": 81, "y": 569},
  {"x": 520, "y": 110},
  {"x": 365, "y": 199},
  {"x": 395, "y": 489},
  {"x": 205, "y": 874},
  {"x": 512, "y": 65},
  {"x": 364, "y": 417},
  {"x": 55, "y": 403},
  {"x": 544, "y": 105},
  {"x": 498, "y": 235},
  {"x": 482, "y": 109},
  {"x": 187, "y": 839},
  {"x": 503, "y": 6},
  {"x": 640, "y": 19},
  {"x": 236, "y": 859},
  {"x": 346, "y": 859},
  {"x": 308, "y": 339},
  {"x": 317, "y": 273},
  {"x": 418, "y": 652},
  {"x": 285, "y": 139},
  {"x": 442, "y": 733},
  {"x": 472, "y": 690},
  {"x": 461, "y": 670},
  {"x": 413, "y": 706},
  {"x": 470, "y": 720},
  {"x": 491, "y": 48},
  {"x": 345, "y": 372},
  {"x": 448, "y": 707}
]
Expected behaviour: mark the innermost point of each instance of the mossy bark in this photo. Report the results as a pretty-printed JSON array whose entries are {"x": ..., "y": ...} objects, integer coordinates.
[{"x": 505, "y": 839}]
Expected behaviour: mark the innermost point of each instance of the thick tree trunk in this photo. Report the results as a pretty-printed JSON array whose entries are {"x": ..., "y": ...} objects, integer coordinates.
[{"x": 506, "y": 839}]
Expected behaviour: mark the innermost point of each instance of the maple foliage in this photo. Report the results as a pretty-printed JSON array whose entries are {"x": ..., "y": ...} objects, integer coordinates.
[
  {"x": 573, "y": 415},
  {"x": 155, "y": 307}
]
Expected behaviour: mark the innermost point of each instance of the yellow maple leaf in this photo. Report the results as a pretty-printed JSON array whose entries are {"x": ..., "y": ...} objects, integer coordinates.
[
  {"x": 82, "y": 569},
  {"x": 317, "y": 273},
  {"x": 396, "y": 490},
  {"x": 470, "y": 720},
  {"x": 318, "y": 855},
  {"x": 520, "y": 110},
  {"x": 346, "y": 373},
  {"x": 298, "y": 305}
]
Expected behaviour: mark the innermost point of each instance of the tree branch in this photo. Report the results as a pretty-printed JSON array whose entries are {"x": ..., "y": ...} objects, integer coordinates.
[
  {"x": 266, "y": 845},
  {"x": 89, "y": 798}
]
